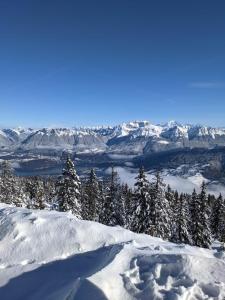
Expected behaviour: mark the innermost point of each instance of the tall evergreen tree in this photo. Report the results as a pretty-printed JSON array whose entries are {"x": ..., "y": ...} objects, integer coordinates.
[
  {"x": 50, "y": 191},
  {"x": 91, "y": 197},
  {"x": 201, "y": 234},
  {"x": 182, "y": 234},
  {"x": 101, "y": 203},
  {"x": 172, "y": 199},
  {"x": 113, "y": 207},
  {"x": 141, "y": 205},
  {"x": 221, "y": 222},
  {"x": 68, "y": 190},
  {"x": 127, "y": 195},
  {"x": 194, "y": 209},
  {"x": 160, "y": 210},
  {"x": 217, "y": 207},
  {"x": 40, "y": 199},
  {"x": 31, "y": 192},
  {"x": 10, "y": 190}
]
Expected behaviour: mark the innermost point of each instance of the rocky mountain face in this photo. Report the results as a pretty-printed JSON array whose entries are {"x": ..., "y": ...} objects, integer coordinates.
[{"x": 138, "y": 137}]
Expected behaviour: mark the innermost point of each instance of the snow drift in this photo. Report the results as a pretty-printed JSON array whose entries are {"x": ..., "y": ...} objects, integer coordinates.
[{"x": 54, "y": 256}]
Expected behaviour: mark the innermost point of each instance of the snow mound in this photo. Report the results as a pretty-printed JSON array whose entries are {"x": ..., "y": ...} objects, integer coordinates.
[{"x": 54, "y": 256}]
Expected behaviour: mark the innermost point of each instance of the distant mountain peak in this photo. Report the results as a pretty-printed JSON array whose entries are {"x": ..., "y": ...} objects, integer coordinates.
[{"x": 133, "y": 137}]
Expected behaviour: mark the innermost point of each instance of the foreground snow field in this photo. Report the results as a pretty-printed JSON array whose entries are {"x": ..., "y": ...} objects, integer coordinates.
[{"x": 54, "y": 256}]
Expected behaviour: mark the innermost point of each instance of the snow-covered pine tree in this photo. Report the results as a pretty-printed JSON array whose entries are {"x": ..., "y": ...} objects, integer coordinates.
[
  {"x": 181, "y": 216},
  {"x": 100, "y": 208},
  {"x": 120, "y": 213},
  {"x": 211, "y": 199},
  {"x": 160, "y": 211},
  {"x": 50, "y": 190},
  {"x": 194, "y": 206},
  {"x": 114, "y": 196},
  {"x": 204, "y": 218},
  {"x": 217, "y": 207},
  {"x": 31, "y": 192},
  {"x": 108, "y": 205},
  {"x": 6, "y": 169},
  {"x": 221, "y": 223},
  {"x": 10, "y": 190},
  {"x": 113, "y": 208},
  {"x": 201, "y": 233},
  {"x": 21, "y": 197},
  {"x": 40, "y": 199},
  {"x": 91, "y": 197},
  {"x": 141, "y": 204},
  {"x": 128, "y": 197},
  {"x": 35, "y": 192},
  {"x": 5, "y": 182},
  {"x": 68, "y": 190},
  {"x": 172, "y": 198}
]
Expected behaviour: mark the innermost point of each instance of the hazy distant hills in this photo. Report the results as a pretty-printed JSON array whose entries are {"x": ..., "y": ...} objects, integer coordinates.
[{"x": 138, "y": 137}]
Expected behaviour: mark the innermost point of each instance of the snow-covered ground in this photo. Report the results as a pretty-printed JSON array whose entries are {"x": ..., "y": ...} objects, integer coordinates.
[
  {"x": 183, "y": 183},
  {"x": 54, "y": 256}
]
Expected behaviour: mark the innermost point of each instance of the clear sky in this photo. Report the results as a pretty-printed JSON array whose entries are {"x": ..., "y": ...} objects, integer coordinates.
[{"x": 90, "y": 62}]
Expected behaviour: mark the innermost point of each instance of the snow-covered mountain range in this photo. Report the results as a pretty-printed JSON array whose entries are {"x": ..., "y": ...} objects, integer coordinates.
[{"x": 136, "y": 137}]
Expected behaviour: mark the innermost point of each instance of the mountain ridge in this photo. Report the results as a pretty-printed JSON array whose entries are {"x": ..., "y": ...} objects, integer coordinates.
[{"x": 134, "y": 137}]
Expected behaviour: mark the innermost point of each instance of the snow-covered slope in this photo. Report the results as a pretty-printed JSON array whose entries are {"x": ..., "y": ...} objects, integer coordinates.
[
  {"x": 64, "y": 138},
  {"x": 54, "y": 256}
]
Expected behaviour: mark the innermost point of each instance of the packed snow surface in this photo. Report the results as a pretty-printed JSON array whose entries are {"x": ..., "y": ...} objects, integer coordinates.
[
  {"x": 54, "y": 256},
  {"x": 186, "y": 183}
]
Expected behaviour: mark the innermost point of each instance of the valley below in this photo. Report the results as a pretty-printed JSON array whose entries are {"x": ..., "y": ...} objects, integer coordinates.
[{"x": 185, "y": 154}]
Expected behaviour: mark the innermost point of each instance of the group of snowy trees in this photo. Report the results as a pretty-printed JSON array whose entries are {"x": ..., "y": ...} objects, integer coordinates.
[{"x": 150, "y": 207}]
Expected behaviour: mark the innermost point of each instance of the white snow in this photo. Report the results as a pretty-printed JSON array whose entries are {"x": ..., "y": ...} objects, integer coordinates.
[
  {"x": 183, "y": 184},
  {"x": 132, "y": 135},
  {"x": 137, "y": 128},
  {"x": 163, "y": 142},
  {"x": 50, "y": 255},
  {"x": 2, "y": 133}
]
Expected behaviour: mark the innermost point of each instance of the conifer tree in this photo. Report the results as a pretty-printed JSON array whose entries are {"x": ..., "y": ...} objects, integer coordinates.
[
  {"x": 50, "y": 191},
  {"x": 10, "y": 191},
  {"x": 194, "y": 207},
  {"x": 160, "y": 211},
  {"x": 113, "y": 208},
  {"x": 182, "y": 234},
  {"x": 91, "y": 197},
  {"x": 201, "y": 234},
  {"x": 40, "y": 200},
  {"x": 172, "y": 199},
  {"x": 221, "y": 222},
  {"x": 68, "y": 190},
  {"x": 101, "y": 203},
  {"x": 128, "y": 197},
  {"x": 141, "y": 205},
  {"x": 217, "y": 207},
  {"x": 31, "y": 193}
]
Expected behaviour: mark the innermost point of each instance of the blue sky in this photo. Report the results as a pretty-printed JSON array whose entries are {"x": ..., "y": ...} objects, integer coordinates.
[{"x": 85, "y": 62}]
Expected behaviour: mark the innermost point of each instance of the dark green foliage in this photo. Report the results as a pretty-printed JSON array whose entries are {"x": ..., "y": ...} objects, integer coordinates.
[
  {"x": 160, "y": 212},
  {"x": 113, "y": 212},
  {"x": 181, "y": 233},
  {"x": 201, "y": 233},
  {"x": 91, "y": 198},
  {"x": 141, "y": 204},
  {"x": 147, "y": 208},
  {"x": 68, "y": 190}
]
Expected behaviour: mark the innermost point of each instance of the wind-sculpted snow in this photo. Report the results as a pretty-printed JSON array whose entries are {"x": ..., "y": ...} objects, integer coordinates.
[{"x": 54, "y": 256}]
